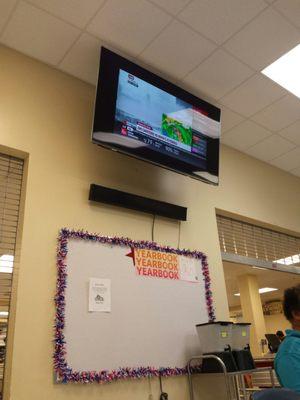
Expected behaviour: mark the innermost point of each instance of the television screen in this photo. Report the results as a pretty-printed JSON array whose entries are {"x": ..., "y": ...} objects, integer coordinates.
[{"x": 142, "y": 115}]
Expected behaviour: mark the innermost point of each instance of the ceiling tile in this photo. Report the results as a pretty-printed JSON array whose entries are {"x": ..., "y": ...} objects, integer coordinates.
[
  {"x": 218, "y": 74},
  {"x": 253, "y": 95},
  {"x": 169, "y": 51},
  {"x": 38, "y": 34},
  {"x": 244, "y": 135},
  {"x": 264, "y": 39},
  {"x": 270, "y": 148},
  {"x": 292, "y": 133},
  {"x": 129, "y": 25},
  {"x": 218, "y": 20},
  {"x": 290, "y": 9},
  {"x": 171, "y": 6},
  {"x": 295, "y": 171},
  {"x": 288, "y": 161},
  {"x": 76, "y": 12},
  {"x": 6, "y": 7},
  {"x": 279, "y": 114},
  {"x": 82, "y": 60},
  {"x": 229, "y": 119}
]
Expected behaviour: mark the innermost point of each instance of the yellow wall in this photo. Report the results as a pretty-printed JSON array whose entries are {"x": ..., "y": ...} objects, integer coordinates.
[
  {"x": 276, "y": 322},
  {"x": 48, "y": 115}
]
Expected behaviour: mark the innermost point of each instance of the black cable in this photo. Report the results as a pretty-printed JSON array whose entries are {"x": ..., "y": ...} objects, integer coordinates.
[
  {"x": 150, "y": 389},
  {"x": 152, "y": 233},
  {"x": 163, "y": 395},
  {"x": 179, "y": 232}
]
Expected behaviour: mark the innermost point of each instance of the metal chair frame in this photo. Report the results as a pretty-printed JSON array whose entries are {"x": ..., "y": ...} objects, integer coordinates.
[{"x": 236, "y": 377}]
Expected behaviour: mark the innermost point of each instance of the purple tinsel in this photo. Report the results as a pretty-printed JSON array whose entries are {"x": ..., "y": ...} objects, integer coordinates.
[{"x": 63, "y": 371}]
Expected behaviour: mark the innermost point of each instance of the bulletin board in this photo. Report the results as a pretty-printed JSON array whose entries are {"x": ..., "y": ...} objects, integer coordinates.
[{"x": 141, "y": 323}]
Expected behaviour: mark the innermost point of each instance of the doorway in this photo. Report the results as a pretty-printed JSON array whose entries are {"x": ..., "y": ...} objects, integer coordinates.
[
  {"x": 259, "y": 263},
  {"x": 271, "y": 285},
  {"x": 11, "y": 178}
]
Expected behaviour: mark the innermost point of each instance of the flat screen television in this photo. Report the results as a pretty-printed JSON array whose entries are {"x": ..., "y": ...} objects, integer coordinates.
[{"x": 142, "y": 115}]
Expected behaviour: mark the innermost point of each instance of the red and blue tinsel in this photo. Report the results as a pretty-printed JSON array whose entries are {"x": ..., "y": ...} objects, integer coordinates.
[{"x": 64, "y": 372}]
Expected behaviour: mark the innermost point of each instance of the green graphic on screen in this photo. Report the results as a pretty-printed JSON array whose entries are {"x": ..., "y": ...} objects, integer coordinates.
[{"x": 176, "y": 130}]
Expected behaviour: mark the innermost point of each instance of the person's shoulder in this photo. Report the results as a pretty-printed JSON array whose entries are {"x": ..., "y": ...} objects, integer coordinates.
[{"x": 291, "y": 344}]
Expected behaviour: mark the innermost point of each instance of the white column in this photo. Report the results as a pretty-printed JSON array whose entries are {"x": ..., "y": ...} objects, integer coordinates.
[{"x": 252, "y": 310}]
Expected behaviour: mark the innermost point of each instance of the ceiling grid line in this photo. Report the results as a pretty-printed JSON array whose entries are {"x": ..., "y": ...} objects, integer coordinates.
[
  {"x": 244, "y": 26},
  {"x": 249, "y": 118},
  {"x": 273, "y": 158},
  {"x": 32, "y": 4},
  {"x": 225, "y": 51},
  {"x": 9, "y": 17},
  {"x": 82, "y": 32},
  {"x": 69, "y": 49},
  {"x": 258, "y": 123},
  {"x": 235, "y": 32},
  {"x": 233, "y": 89},
  {"x": 155, "y": 37},
  {"x": 221, "y": 46},
  {"x": 284, "y": 16},
  {"x": 165, "y": 10}
]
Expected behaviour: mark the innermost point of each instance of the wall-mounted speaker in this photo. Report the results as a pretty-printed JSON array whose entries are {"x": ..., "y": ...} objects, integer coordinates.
[{"x": 139, "y": 203}]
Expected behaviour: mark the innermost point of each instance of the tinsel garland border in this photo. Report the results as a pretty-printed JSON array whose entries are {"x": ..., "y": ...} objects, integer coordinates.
[{"x": 64, "y": 372}]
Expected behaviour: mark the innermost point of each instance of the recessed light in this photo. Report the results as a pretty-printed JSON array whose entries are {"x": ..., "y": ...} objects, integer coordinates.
[
  {"x": 3, "y": 313},
  {"x": 261, "y": 290},
  {"x": 266, "y": 290},
  {"x": 289, "y": 260},
  {"x": 6, "y": 263},
  {"x": 285, "y": 71}
]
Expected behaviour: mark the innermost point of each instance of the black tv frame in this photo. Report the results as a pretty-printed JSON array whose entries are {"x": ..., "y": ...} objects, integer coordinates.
[{"x": 105, "y": 107}]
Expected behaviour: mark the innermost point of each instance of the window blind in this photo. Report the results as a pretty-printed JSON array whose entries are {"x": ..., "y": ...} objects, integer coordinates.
[{"x": 256, "y": 242}]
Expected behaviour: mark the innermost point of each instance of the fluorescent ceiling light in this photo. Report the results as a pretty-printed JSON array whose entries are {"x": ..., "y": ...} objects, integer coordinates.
[
  {"x": 261, "y": 290},
  {"x": 6, "y": 263},
  {"x": 285, "y": 71},
  {"x": 3, "y": 313},
  {"x": 289, "y": 260},
  {"x": 267, "y": 290}
]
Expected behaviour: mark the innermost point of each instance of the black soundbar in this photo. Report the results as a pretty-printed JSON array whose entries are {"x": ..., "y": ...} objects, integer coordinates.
[{"x": 117, "y": 198}]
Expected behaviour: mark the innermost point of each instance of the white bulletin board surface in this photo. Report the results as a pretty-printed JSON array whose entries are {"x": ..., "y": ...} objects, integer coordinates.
[{"x": 147, "y": 298}]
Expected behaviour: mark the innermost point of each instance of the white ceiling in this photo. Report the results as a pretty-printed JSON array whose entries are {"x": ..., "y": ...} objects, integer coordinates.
[
  {"x": 214, "y": 48},
  {"x": 265, "y": 277}
]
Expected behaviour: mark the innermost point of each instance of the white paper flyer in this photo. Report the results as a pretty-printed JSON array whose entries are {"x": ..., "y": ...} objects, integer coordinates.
[
  {"x": 188, "y": 269},
  {"x": 99, "y": 295}
]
